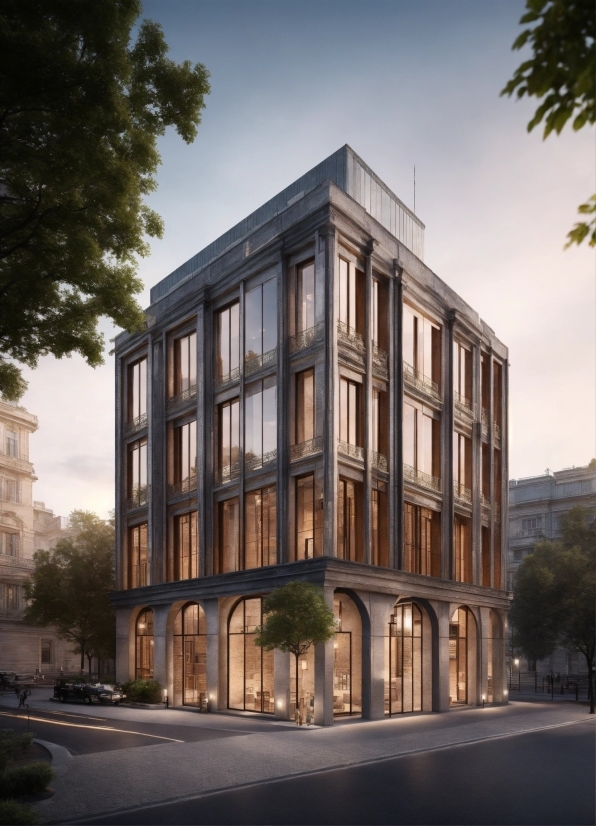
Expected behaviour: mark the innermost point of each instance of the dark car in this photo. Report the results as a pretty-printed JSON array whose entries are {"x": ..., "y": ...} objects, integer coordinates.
[{"x": 69, "y": 691}]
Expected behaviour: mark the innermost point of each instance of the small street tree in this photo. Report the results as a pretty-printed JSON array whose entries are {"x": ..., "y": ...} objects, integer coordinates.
[
  {"x": 555, "y": 593},
  {"x": 71, "y": 585},
  {"x": 296, "y": 617}
]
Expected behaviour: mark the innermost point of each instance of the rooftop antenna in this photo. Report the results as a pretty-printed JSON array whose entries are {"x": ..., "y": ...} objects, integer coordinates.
[{"x": 414, "y": 189}]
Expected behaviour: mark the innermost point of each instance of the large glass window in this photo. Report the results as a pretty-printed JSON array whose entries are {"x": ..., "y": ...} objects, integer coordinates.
[
  {"x": 137, "y": 390},
  {"x": 422, "y": 541},
  {"x": 9, "y": 543},
  {"x": 305, "y": 406},
  {"x": 137, "y": 556},
  {"x": 227, "y": 366},
  {"x": 260, "y": 423},
  {"x": 462, "y": 467},
  {"x": 260, "y": 324},
  {"x": 185, "y": 555},
  {"x": 185, "y": 456},
  {"x": 305, "y": 298},
  {"x": 305, "y": 518},
  {"x": 349, "y": 411},
  {"x": 190, "y": 656},
  {"x": 10, "y": 596},
  {"x": 229, "y": 439},
  {"x": 421, "y": 345},
  {"x": 250, "y": 668},
  {"x": 462, "y": 373},
  {"x": 144, "y": 646},
  {"x": 462, "y": 549},
  {"x": 349, "y": 520},
  {"x": 229, "y": 536},
  {"x": 351, "y": 296},
  {"x": 347, "y": 657},
  {"x": 185, "y": 363},
  {"x": 12, "y": 443},
  {"x": 137, "y": 472},
  {"x": 405, "y": 660},
  {"x": 380, "y": 528},
  {"x": 458, "y": 656},
  {"x": 421, "y": 442},
  {"x": 260, "y": 532}
]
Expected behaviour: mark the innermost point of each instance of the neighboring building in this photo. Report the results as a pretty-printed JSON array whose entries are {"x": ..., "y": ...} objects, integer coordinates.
[
  {"x": 25, "y": 527},
  {"x": 311, "y": 402},
  {"x": 536, "y": 505}
]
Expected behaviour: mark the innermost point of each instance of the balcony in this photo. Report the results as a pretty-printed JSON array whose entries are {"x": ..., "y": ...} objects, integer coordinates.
[
  {"x": 253, "y": 362},
  {"x": 463, "y": 405},
  {"x": 420, "y": 382},
  {"x": 253, "y": 461},
  {"x": 182, "y": 398},
  {"x": 184, "y": 486},
  {"x": 228, "y": 473},
  {"x": 353, "y": 451},
  {"x": 306, "y": 338},
  {"x": 350, "y": 337},
  {"x": 379, "y": 462},
  {"x": 139, "y": 497},
  {"x": 462, "y": 493},
  {"x": 379, "y": 362},
  {"x": 484, "y": 422},
  {"x": 135, "y": 425},
  {"x": 496, "y": 433},
  {"x": 304, "y": 449},
  {"x": 425, "y": 480},
  {"x": 228, "y": 378}
]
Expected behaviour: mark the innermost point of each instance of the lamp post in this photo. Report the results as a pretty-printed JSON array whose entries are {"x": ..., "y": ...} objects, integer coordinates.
[{"x": 516, "y": 661}]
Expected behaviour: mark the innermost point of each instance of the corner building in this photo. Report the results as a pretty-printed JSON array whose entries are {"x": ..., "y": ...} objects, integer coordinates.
[{"x": 310, "y": 401}]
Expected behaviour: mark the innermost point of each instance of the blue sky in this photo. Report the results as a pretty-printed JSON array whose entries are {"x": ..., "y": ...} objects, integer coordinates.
[{"x": 403, "y": 82}]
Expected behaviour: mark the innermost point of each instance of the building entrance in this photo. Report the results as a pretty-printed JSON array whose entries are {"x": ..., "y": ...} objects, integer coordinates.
[
  {"x": 250, "y": 668},
  {"x": 190, "y": 656},
  {"x": 347, "y": 657},
  {"x": 405, "y": 660},
  {"x": 459, "y": 627}
]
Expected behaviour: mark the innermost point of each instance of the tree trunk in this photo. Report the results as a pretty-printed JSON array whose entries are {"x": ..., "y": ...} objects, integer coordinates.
[
  {"x": 297, "y": 699},
  {"x": 82, "y": 658},
  {"x": 590, "y": 661}
]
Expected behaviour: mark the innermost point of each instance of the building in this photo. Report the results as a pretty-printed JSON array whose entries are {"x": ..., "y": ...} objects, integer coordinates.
[
  {"x": 25, "y": 527},
  {"x": 536, "y": 505},
  {"x": 310, "y": 401}
]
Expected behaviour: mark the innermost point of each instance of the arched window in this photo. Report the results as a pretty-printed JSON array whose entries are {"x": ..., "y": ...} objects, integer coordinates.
[
  {"x": 405, "y": 659},
  {"x": 347, "y": 657},
  {"x": 190, "y": 655},
  {"x": 459, "y": 627},
  {"x": 144, "y": 645},
  {"x": 250, "y": 668}
]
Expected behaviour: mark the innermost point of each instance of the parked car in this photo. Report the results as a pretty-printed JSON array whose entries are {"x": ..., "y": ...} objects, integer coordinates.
[
  {"x": 10, "y": 680},
  {"x": 69, "y": 690}
]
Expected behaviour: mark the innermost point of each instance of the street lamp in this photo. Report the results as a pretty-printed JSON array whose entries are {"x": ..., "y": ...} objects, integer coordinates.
[{"x": 516, "y": 661}]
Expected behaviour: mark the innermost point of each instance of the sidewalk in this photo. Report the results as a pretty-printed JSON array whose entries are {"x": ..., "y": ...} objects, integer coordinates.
[{"x": 103, "y": 782}]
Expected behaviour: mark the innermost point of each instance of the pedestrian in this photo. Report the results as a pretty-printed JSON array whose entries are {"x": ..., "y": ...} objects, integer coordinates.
[{"x": 25, "y": 692}]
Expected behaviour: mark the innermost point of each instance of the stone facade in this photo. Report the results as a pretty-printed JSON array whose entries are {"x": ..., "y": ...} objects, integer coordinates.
[
  {"x": 310, "y": 401},
  {"x": 26, "y": 526}
]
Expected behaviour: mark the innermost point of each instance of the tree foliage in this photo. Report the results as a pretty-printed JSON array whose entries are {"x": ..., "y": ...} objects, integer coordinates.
[
  {"x": 555, "y": 592},
  {"x": 81, "y": 108},
  {"x": 71, "y": 586},
  {"x": 562, "y": 74}
]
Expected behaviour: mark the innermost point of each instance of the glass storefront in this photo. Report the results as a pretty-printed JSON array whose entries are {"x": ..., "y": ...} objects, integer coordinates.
[
  {"x": 458, "y": 656},
  {"x": 250, "y": 668},
  {"x": 347, "y": 657},
  {"x": 190, "y": 656},
  {"x": 403, "y": 692},
  {"x": 144, "y": 646}
]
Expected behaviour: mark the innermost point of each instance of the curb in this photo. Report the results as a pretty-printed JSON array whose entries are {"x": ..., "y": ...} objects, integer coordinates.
[{"x": 61, "y": 757}]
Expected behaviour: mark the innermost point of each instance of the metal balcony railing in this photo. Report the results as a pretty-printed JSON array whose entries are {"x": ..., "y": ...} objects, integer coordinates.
[
  {"x": 228, "y": 378},
  {"x": 306, "y": 338},
  {"x": 253, "y": 461},
  {"x": 421, "y": 382},
  {"x": 379, "y": 461},
  {"x": 139, "y": 497},
  {"x": 308, "y": 448},
  {"x": 462, "y": 403},
  {"x": 184, "y": 486},
  {"x": 379, "y": 362},
  {"x": 350, "y": 337},
  {"x": 135, "y": 424},
  {"x": 353, "y": 451},
  {"x": 462, "y": 493},
  {"x": 425, "y": 480},
  {"x": 228, "y": 472},
  {"x": 253, "y": 362},
  {"x": 183, "y": 397}
]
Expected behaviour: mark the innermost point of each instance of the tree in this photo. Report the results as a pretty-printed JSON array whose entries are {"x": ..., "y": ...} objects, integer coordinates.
[
  {"x": 296, "y": 617},
  {"x": 71, "y": 586},
  {"x": 555, "y": 592},
  {"x": 562, "y": 70},
  {"x": 81, "y": 108}
]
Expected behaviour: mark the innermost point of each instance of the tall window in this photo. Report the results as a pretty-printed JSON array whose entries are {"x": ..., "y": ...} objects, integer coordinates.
[
  {"x": 486, "y": 471},
  {"x": 229, "y": 536},
  {"x": 462, "y": 373},
  {"x": 379, "y": 314},
  {"x": 228, "y": 344},
  {"x": 46, "y": 652},
  {"x": 485, "y": 550},
  {"x": 260, "y": 540},
  {"x": 462, "y": 467},
  {"x": 10, "y": 596},
  {"x": 349, "y": 411},
  {"x": 422, "y": 541},
  {"x": 305, "y": 406},
  {"x": 12, "y": 443},
  {"x": 137, "y": 390},
  {"x": 459, "y": 628},
  {"x": 229, "y": 439},
  {"x": 421, "y": 441},
  {"x": 185, "y": 455},
  {"x": 462, "y": 549},
  {"x": 144, "y": 646},
  {"x": 10, "y": 490},
  {"x": 380, "y": 436},
  {"x": 349, "y": 520},
  {"x": 305, "y": 297},
  {"x": 9, "y": 543},
  {"x": 351, "y": 295},
  {"x": 250, "y": 668},
  {"x": 405, "y": 659},
  {"x": 497, "y": 393},
  {"x": 485, "y": 381},
  {"x": 185, "y": 363},
  {"x": 260, "y": 423},
  {"x": 305, "y": 518},
  {"x": 422, "y": 345},
  {"x": 260, "y": 323},
  {"x": 380, "y": 529},
  {"x": 190, "y": 656},
  {"x": 185, "y": 561},
  {"x": 137, "y": 556},
  {"x": 137, "y": 471}
]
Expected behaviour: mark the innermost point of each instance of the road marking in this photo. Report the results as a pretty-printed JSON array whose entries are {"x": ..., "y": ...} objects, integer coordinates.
[{"x": 95, "y": 728}]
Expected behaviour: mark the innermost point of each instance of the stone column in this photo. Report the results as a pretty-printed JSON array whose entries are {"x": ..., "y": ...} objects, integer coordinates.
[
  {"x": 484, "y": 632},
  {"x": 380, "y": 607},
  {"x": 125, "y": 646},
  {"x": 211, "y": 609},
  {"x": 324, "y": 654},
  {"x": 282, "y": 670},
  {"x": 160, "y": 669},
  {"x": 440, "y": 657}
]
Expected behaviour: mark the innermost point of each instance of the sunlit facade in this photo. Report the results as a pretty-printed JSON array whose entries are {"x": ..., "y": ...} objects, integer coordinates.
[{"x": 309, "y": 401}]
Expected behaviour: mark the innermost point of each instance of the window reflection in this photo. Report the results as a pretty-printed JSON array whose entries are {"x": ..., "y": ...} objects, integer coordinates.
[
  {"x": 351, "y": 296},
  {"x": 349, "y": 520},
  {"x": 260, "y": 528},
  {"x": 421, "y": 441},
  {"x": 421, "y": 342},
  {"x": 137, "y": 390},
  {"x": 185, "y": 554},
  {"x": 305, "y": 299},
  {"x": 228, "y": 343},
  {"x": 305, "y": 406},
  {"x": 422, "y": 541},
  {"x": 349, "y": 411},
  {"x": 260, "y": 321},
  {"x": 458, "y": 656},
  {"x": 229, "y": 536},
  {"x": 462, "y": 372},
  {"x": 185, "y": 363},
  {"x": 405, "y": 660},
  {"x": 462, "y": 549},
  {"x": 144, "y": 646},
  {"x": 260, "y": 422},
  {"x": 229, "y": 439},
  {"x": 250, "y": 668},
  {"x": 137, "y": 556},
  {"x": 185, "y": 452},
  {"x": 137, "y": 471},
  {"x": 308, "y": 519},
  {"x": 190, "y": 656}
]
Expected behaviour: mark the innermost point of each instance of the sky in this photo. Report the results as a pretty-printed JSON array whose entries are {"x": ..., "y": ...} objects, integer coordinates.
[{"x": 406, "y": 83}]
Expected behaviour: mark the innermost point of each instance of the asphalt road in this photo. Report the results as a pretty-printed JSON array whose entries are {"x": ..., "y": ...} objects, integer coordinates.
[{"x": 545, "y": 777}]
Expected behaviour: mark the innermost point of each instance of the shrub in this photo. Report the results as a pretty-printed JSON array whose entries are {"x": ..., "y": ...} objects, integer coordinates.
[
  {"x": 25, "y": 780},
  {"x": 14, "y": 814},
  {"x": 143, "y": 691},
  {"x": 13, "y": 746}
]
